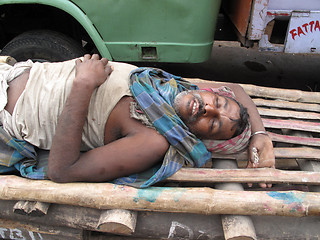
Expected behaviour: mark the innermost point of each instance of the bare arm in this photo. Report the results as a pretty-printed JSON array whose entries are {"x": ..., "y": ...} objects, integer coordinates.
[
  {"x": 118, "y": 158},
  {"x": 65, "y": 150}
]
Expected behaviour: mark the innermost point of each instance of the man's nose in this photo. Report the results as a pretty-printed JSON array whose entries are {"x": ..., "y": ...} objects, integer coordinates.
[{"x": 211, "y": 111}]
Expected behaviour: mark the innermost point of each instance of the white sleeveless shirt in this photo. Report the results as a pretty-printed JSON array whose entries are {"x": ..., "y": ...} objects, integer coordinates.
[{"x": 37, "y": 110}]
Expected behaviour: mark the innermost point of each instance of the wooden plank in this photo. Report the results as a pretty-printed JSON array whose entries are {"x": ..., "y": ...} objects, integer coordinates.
[
  {"x": 292, "y": 124},
  {"x": 273, "y": 93},
  {"x": 36, "y": 209},
  {"x": 283, "y": 94},
  {"x": 288, "y": 114},
  {"x": 118, "y": 221},
  {"x": 8, "y": 60},
  {"x": 287, "y": 105},
  {"x": 284, "y": 164},
  {"x": 266, "y": 175},
  {"x": 299, "y": 153},
  {"x": 307, "y": 141},
  {"x": 187, "y": 200},
  {"x": 280, "y": 152}
]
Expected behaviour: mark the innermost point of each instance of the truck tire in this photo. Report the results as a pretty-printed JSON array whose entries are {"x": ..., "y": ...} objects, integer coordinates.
[{"x": 43, "y": 45}]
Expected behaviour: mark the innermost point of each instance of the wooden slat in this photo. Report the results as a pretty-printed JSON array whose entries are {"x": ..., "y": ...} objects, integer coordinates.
[
  {"x": 34, "y": 209},
  {"x": 259, "y": 175},
  {"x": 283, "y": 94},
  {"x": 295, "y": 139},
  {"x": 292, "y": 124},
  {"x": 118, "y": 221},
  {"x": 184, "y": 200},
  {"x": 287, "y": 105},
  {"x": 280, "y": 152},
  {"x": 7, "y": 59},
  {"x": 274, "y": 93},
  {"x": 288, "y": 114},
  {"x": 302, "y": 153}
]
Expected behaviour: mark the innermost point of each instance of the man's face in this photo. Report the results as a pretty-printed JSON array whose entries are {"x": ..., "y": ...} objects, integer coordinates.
[{"x": 208, "y": 115}]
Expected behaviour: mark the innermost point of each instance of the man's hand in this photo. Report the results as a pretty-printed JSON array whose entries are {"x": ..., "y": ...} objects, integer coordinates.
[
  {"x": 264, "y": 156},
  {"x": 92, "y": 71}
]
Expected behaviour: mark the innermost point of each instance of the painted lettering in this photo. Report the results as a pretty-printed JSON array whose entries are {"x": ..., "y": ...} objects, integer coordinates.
[
  {"x": 293, "y": 33},
  {"x": 305, "y": 29},
  {"x": 31, "y": 234},
  {"x": 300, "y": 31},
  {"x": 2, "y": 232},
  {"x": 174, "y": 225},
  {"x": 311, "y": 25},
  {"x": 17, "y": 234},
  {"x": 317, "y": 26}
]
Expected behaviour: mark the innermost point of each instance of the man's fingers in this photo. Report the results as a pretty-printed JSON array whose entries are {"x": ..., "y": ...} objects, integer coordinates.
[
  {"x": 95, "y": 57},
  {"x": 108, "y": 70},
  {"x": 86, "y": 57},
  {"x": 262, "y": 185},
  {"x": 104, "y": 61},
  {"x": 78, "y": 61},
  {"x": 265, "y": 185}
]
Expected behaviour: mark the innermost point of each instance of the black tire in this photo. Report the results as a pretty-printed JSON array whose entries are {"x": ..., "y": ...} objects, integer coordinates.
[{"x": 43, "y": 45}]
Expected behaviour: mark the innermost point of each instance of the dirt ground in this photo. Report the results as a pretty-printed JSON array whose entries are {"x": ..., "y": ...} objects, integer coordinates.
[{"x": 231, "y": 63}]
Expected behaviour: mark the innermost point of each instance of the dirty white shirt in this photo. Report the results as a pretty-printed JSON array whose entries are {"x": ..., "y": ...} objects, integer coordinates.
[{"x": 37, "y": 110}]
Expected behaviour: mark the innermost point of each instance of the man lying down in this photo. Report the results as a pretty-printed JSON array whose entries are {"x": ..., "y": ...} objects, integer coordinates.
[{"x": 108, "y": 121}]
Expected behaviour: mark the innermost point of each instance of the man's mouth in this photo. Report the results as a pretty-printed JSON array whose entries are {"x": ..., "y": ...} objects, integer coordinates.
[{"x": 194, "y": 108}]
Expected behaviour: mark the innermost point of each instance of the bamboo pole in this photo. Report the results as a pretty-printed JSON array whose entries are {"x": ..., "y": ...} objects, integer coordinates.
[
  {"x": 8, "y": 60},
  {"x": 187, "y": 200},
  {"x": 258, "y": 175},
  {"x": 118, "y": 221},
  {"x": 34, "y": 209},
  {"x": 283, "y": 152},
  {"x": 288, "y": 114},
  {"x": 307, "y": 141},
  {"x": 286, "y": 104},
  {"x": 298, "y": 153},
  {"x": 283, "y": 94},
  {"x": 292, "y": 124},
  {"x": 274, "y": 93}
]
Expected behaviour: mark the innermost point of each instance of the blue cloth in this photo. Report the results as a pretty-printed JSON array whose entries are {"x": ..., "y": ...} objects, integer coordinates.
[
  {"x": 155, "y": 90},
  {"x": 19, "y": 155}
]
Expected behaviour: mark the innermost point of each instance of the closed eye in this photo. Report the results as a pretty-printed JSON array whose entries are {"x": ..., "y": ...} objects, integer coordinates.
[
  {"x": 217, "y": 102},
  {"x": 212, "y": 124}
]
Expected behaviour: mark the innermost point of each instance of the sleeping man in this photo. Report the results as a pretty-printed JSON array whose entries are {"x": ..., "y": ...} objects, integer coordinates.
[{"x": 108, "y": 121}]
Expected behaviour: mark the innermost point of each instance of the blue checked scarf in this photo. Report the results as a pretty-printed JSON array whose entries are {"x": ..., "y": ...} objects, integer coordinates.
[
  {"x": 155, "y": 90},
  {"x": 19, "y": 155}
]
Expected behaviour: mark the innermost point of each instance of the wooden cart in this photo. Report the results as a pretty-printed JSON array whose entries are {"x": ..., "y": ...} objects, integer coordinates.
[{"x": 208, "y": 203}]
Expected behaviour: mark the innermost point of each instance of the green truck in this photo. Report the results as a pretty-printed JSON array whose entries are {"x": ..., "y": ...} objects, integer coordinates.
[{"x": 120, "y": 30}]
